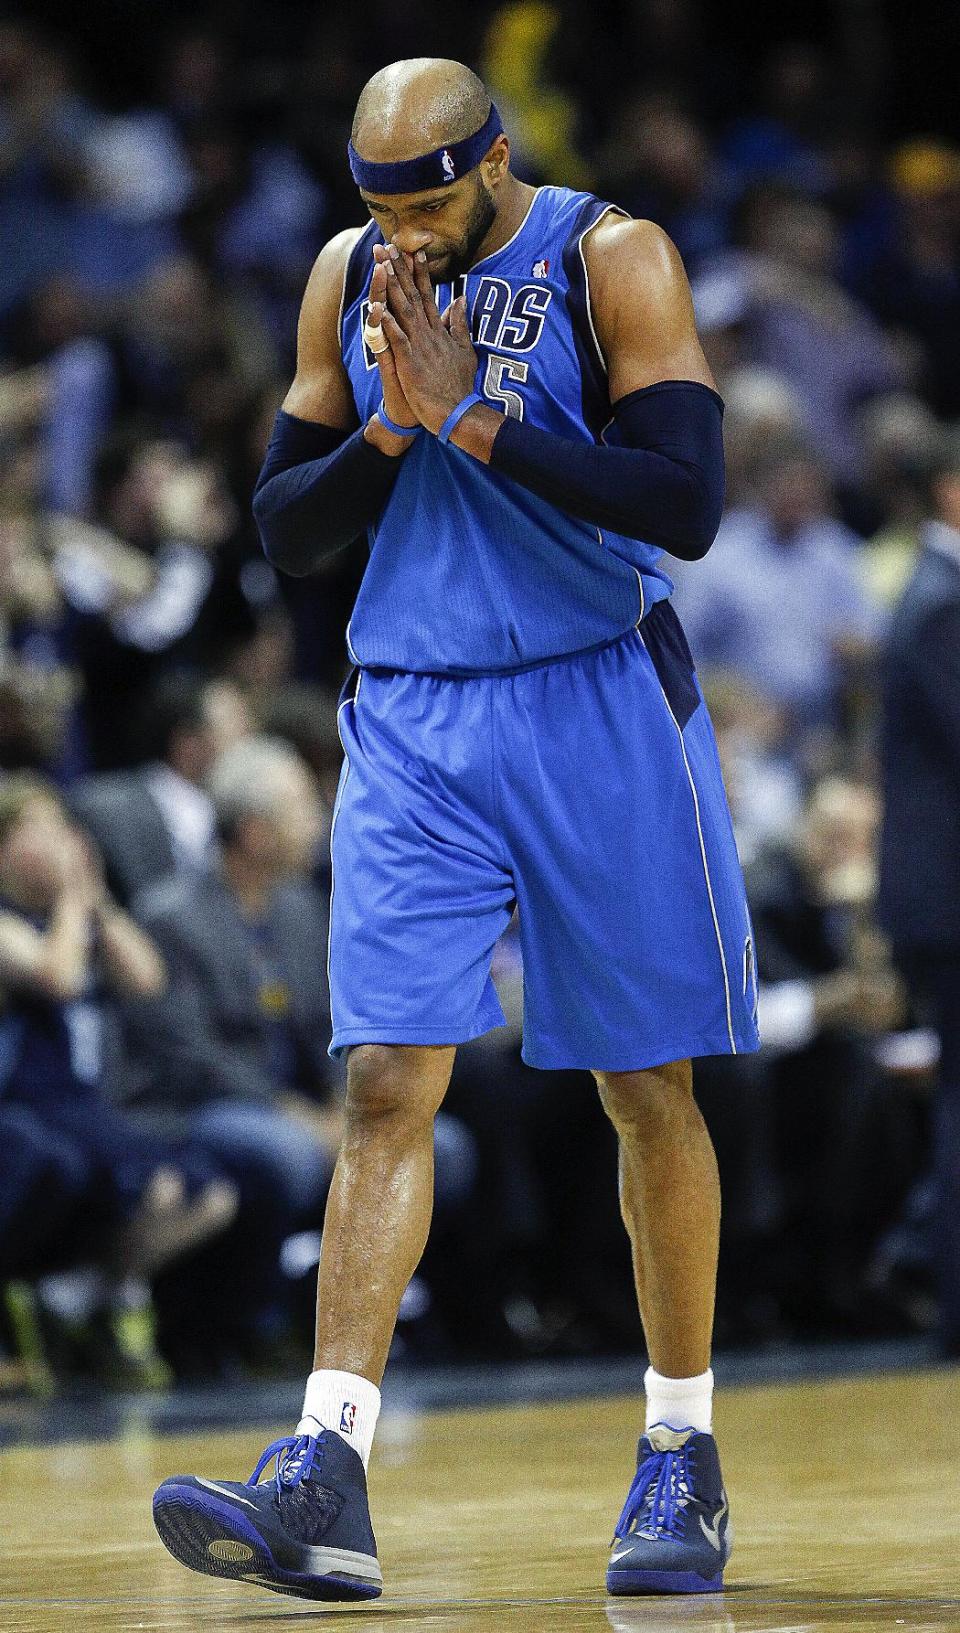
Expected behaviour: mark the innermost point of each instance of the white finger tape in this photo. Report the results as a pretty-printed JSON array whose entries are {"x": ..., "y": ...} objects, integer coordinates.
[{"x": 374, "y": 337}]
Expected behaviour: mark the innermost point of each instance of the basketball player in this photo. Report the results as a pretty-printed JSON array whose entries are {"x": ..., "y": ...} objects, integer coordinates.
[{"x": 505, "y": 387}]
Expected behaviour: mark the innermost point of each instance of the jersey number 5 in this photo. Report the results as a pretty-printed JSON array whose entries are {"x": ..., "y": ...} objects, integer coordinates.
[{"x": 500, "y": 369}]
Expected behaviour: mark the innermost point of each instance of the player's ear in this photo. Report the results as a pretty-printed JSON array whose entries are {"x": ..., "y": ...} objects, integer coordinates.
[{"x": 497, "y": 162}]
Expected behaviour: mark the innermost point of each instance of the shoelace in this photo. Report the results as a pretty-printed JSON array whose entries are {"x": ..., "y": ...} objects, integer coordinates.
[
  {"x": 295, "y": 1455},
  {"x": 661, "y": 1485}
]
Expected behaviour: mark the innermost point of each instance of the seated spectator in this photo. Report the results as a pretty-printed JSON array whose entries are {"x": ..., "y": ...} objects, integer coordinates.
[
  {"x": 233, "y": 1052},
  {"x": 142, "y": 1205},
  {"x": 43, "y": 1176},
  {"x": 157, "y": 818},
  {"x": 306, "y": 718},
  {"x": 763, "y": 414},
  {"x": 763, "y": 785},
  {"x": 847, "y": 1142},
  {"x": 779, "y": 600}
]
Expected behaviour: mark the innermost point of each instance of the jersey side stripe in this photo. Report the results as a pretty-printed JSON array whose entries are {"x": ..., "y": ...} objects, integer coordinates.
[
  {"x": 706, "y": 865},
  {"x": 595, "y": 401},
  {"x": 358, "y": 270}
]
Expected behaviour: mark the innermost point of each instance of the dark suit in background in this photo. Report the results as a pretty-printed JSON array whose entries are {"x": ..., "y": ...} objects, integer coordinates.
[
  {"x": 246, "y": 1013},
  {"x": 920, "y": 858},
  {"x": 146, "y": 823}
]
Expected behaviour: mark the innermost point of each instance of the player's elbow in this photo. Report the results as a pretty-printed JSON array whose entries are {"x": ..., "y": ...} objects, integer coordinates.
[
  {"x": 693, "y": 546},
  {"x": 282, "y": 542},
  {"x": 699, "y": 513}
]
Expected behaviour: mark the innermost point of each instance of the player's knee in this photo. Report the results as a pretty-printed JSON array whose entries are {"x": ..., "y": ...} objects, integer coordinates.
[
  {"x": 642, "y": 1103},
  {"x": 395, "y": 1082}
]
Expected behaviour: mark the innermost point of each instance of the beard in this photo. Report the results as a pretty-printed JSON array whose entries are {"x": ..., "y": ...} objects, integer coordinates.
[{"x": 463, "y": 255}]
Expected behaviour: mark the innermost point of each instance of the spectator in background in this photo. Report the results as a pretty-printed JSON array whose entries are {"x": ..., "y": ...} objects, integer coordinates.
[
  {"x": 52, "y": 214},
  {"x": 914, "y": 286},
  {"x": 658, "y": 165},
  {"x": 55, "y": 339},
  {"x": 187, "y": 338},
  {"x": 762, "y": 782},
  {"x": 781, "y": 290},
  {"x": 799, "y": 97},
  {"x": 762, "y": 416},
  {"x": 158, "y": 818},
  {"x": 255, "y": 215},
  {"x": 306, "y": 718},
  {"x": 233, "y": 1053},
  {"x": 920, "y": 873},
  {"x": 899, "y": 437},
  {"x": 176, "y": 512},
  {"x": 780, "y": 600},
  {"x": 142, "y": 1204},
  {"x": 44, "y": 1178},
  {"x": 845, "y": 1141}
]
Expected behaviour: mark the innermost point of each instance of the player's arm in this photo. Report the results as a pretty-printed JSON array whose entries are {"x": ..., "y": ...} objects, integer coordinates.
[
  {"x": 664, "y": 483},
  {"x": 324, "y": 480}
]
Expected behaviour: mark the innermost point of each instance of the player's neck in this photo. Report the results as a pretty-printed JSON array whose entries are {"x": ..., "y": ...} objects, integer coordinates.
[{"x": 512, "y": 206}]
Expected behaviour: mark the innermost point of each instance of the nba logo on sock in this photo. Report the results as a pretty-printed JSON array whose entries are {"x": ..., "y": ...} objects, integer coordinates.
[
  {"x": 540, "y": 269},
  {"x": 348, "y": 1418}
]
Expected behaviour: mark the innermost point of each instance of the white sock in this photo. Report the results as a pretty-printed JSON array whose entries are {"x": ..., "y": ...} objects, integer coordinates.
[
  {"x": 680, "y": 1403},
  {"x": 345, "y": 1403}
]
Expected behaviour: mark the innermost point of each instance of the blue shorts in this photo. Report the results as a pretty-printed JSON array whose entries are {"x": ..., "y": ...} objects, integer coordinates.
[{"x": 585, "y": 793}]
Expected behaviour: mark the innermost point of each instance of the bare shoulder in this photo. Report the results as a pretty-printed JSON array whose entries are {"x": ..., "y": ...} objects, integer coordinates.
[
  {"x": 637, "y": 254},
  {"x": 325, "y": 283},
  {"x": 320, "y": 390},
  {"x": 642, "y": 306}
]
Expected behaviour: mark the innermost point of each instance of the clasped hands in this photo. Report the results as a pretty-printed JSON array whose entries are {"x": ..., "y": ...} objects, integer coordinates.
[{"x": 429, "y": 364}]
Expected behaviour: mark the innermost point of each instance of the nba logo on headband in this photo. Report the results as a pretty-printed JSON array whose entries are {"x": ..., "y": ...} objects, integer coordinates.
[{"x": 446, "y": 161}]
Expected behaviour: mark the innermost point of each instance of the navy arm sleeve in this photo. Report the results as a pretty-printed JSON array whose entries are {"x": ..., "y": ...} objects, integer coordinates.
[
  {"x": 318, "y": 490},
  {"x": 664, "y": 485}
]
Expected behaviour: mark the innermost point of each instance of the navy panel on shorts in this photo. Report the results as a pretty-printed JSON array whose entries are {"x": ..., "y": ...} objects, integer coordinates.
[{"x": 587, "y": 793}]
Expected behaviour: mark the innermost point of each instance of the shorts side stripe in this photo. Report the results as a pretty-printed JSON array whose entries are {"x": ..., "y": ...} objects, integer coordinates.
[
  {"x": 642, "y": 607},
  {"x": 706, "y": 868},
  {"x": 333, "y": 828}
]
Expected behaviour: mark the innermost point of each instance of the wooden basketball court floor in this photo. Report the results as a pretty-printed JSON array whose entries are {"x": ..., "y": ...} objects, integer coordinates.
[{"x": 845, "y": 1495}]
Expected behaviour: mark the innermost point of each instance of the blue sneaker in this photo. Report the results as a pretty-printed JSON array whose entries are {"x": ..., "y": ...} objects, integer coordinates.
[
  {"x": 674, "y": 1535},
  {"x": 306, "y": 1533}
]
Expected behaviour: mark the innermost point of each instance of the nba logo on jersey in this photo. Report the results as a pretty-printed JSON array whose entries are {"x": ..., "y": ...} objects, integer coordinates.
[
  {"x": 540, "y": 269},
  {"x": 348, "y": 1418},
  {"x": 446, "y": 164}
]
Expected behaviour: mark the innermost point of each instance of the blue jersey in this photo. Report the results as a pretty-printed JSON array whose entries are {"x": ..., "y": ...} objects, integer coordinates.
[{"x": 469, "y": 572}]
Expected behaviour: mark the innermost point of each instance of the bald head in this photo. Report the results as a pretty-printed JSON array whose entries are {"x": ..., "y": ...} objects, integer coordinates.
[{"x": 417, "y": 105}]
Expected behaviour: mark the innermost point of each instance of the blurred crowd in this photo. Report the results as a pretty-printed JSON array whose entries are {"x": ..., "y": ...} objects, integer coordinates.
[{"x": 169, "y": 1117}]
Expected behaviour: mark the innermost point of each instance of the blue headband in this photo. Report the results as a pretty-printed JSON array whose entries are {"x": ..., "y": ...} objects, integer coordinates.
[{"x": 437, "y": 169}]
